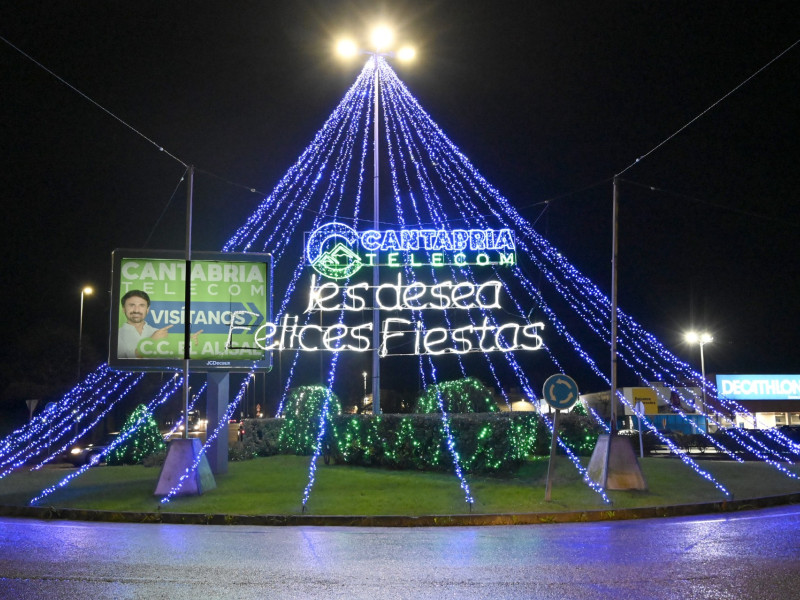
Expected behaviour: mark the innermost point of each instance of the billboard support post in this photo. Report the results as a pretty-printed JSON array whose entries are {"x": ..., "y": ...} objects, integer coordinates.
[
  {"x": 217, "y": 397},
  {"x": 187, "y": 333}
]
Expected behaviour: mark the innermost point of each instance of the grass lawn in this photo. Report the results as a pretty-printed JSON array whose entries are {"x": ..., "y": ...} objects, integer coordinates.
[{"x": 275, "y": 485}]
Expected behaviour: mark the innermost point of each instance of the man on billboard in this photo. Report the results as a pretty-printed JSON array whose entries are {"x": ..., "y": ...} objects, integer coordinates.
[{"x": 135, "y": 305}]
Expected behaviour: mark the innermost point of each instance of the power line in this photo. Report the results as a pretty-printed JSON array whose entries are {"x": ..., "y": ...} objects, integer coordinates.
[
  {"x": 657, "y": 146},
  {"x": 166, "y": 206},
  {"x": 747, "y": 213},
  {"x": 97, "y": 104},
  {"x": 126, "y": 124}
]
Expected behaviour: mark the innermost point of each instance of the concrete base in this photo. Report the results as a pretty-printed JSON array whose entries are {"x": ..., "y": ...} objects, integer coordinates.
[
  {"x": 624, "y": 472},
  {"x": 180, "y": 457},
  {"x": 216, "y": 404}
]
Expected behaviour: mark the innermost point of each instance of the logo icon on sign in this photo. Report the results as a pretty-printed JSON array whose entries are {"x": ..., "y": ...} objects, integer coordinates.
[{"x": 332, "y": 251}]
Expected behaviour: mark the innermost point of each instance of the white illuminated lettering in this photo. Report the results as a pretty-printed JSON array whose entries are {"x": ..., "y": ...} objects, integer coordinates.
[
  {"x": 498, "y": 336},
  {"x": 397, "y": 294},
  {"x": 410, "y": 295},
  {"x": 469, "y": 290},
  {"x": 330, "y": 337},
  {"x": 361, "y": 338},
  {"x": 494, "y": 286},
  {"x": 459, "y": 337},
  {"x": 436, "y": 292},
  {"x": 429, "y": 344},
  {"x": 530, "y": 331},
  {"x": 302, "y": 334},
  {"x": 390, "y": 334},
  {"x": 352, "y": 293}
]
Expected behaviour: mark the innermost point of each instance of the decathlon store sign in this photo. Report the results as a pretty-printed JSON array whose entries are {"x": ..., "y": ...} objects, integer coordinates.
[
  {"x": 336, "y": 252},
  {"x": 759, "y": 387}
]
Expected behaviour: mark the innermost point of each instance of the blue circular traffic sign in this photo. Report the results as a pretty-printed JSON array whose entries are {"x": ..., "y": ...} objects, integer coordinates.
[{"x": 560, "y": 391}]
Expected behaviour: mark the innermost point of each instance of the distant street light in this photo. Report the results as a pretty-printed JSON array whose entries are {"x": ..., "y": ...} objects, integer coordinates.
[
  {"x": 87, "y": 291},
  {"x": 381, "y": 41},
  {"x": 365, "y": 387},
  {"x": 701, "y": 338}
]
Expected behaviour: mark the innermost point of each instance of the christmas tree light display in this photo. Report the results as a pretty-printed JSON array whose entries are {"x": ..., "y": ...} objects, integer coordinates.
[
  {"x": 452, "y": 252},
  {"x": 143, "y": 439}
]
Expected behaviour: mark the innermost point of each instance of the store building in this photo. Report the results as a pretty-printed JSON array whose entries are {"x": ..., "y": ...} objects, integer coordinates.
[{"x": 659, "y": 403}]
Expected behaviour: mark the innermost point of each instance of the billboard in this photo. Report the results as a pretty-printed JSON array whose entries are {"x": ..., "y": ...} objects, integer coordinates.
[
  {"x": 759, "y": 387},
  {"x": 148, "y": 310},
  {"x": 647, "y": 396}
]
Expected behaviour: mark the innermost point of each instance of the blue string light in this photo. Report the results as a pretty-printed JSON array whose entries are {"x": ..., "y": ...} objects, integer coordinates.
[
  {"x": 210, "y": 438},
  {"x": 169, "y": 388},
  {"x": 53, "y": 412},
  {"x": 104, "y": 401},
  {"x": 189, "y": 409},
  {"x": 50, "y": 432}
]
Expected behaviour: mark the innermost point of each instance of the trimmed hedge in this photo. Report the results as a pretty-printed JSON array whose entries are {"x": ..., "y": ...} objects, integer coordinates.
[
  {"x": 466, "y": 395},
  {"x": 486, "y": 442}
]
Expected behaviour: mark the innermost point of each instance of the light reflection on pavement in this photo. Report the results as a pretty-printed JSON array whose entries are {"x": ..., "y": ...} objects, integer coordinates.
[{"x": 748, "y": 555}]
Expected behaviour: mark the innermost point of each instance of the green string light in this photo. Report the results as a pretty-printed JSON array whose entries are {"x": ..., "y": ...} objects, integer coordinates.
[{"x": 143, "y": 442}]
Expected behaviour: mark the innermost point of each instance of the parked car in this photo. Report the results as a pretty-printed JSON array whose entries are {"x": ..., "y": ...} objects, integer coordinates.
[{"x": 81, "y": 453}]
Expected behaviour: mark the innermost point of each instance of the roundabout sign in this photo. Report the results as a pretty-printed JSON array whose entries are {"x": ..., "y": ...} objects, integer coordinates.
[{"x": 560, "y": 392}]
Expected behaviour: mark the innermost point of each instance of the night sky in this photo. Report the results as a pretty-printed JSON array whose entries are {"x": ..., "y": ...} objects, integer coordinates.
[{"x": 548, "y": 99}]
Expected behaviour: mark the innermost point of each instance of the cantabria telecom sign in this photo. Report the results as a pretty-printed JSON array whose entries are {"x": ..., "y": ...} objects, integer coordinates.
[
  {"x": 759, "y": 387},
  {"x": 457, "y": 304},
  {"x": 338, "y": 251}
]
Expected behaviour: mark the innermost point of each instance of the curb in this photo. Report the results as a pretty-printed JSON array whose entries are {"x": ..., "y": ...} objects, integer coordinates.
[{"x": 611, "y": 514}]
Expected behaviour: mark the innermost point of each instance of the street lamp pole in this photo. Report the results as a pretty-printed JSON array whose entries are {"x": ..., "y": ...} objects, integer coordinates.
[
  {"x": 614, "y": 280},
  {"x": 381, "y": 41},
  {"x": 86, "y": 291},
  {"x": 376, "y": 281},
  {"x": 702, "y": 339}
]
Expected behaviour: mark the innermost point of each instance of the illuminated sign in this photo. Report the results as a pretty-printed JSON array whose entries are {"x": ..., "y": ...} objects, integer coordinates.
[
  {"x": 290, "y": 334},
  {"x": 148, "y": 317},
  {"x": 413, "y": 296},
  {"x": 338, "y": 251},
  {"x": 480, "y": 335},
  {"x": 759, "y": 387}
]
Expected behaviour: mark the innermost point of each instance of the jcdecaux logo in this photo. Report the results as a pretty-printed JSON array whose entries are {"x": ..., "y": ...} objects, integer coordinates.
[{"x": 338, "y": 251}]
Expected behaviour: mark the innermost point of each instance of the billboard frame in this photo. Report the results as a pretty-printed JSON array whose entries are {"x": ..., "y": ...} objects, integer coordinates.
[{"x": 196, "y": 365}]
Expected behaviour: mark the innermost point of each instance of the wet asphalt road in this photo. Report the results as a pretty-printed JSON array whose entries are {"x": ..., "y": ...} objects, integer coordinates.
[{"x": 751, "y": 555}]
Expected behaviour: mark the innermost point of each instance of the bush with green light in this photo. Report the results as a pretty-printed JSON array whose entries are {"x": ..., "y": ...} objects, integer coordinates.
[
  {"x": 487, "y": 442},
  {"x": 143, "y": 442}
]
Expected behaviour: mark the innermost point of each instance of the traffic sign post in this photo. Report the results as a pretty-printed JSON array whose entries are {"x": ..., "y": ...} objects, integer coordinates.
[
  {"x": 561, "y": 393},
  {"x": 31, "y": 407},
  {"x": 639, "y": 410}
]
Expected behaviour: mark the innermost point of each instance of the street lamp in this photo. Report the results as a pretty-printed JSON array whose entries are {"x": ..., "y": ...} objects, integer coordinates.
[
  {"x": 364, "y": 374},
  {"x": 86, "y": 291},
  {"x": 702, "y": 338},
  {"x": 381, "y": 42}
]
